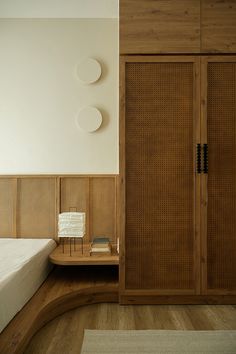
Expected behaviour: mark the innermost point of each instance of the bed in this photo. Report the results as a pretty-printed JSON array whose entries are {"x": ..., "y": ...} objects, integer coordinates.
[{"x": 24, "y": 265}]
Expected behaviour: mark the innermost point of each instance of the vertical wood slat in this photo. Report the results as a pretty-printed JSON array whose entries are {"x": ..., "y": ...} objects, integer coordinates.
[
  {"x": 58, "y": 204},
  {"x": 8, "y": 201},
  {"x": 103, "y": 207},
  {"x": 220, "y": 185},
  {"x": 36, "y": 207},
  {"x": 15, "y": 206},
  {"x": 140, "y": 256},
  {"x": 89, "y": 207},
  {"x": 88, "y": 211},
  {"x": 116, "y": 211},
  {"x": 74, "y": 197}
]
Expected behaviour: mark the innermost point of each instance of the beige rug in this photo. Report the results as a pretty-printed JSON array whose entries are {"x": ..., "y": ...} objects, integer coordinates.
[{"x": 159, "y": 342}]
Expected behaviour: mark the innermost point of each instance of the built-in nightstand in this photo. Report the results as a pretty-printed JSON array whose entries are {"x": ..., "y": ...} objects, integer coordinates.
[{"x": 79, "y": 258}]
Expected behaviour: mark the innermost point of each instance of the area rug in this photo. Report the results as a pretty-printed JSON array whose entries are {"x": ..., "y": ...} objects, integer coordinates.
[{"x": 159, "y": 342}]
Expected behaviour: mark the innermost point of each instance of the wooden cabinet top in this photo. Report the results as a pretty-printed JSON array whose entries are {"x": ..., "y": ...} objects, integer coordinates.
[
  {"x": 218, "y": 26},
  {"x": 163, "y": 26},
  {"x": 174, "y": 26}
]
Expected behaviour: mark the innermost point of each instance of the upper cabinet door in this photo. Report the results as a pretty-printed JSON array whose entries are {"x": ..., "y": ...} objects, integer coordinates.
[
  {"x": 164, "y": 26},
  {"x": 218, "y": 26}
]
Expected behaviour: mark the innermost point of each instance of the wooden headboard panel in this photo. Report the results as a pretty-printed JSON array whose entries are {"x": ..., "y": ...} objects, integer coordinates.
[
  {"x": 29, "y": 205},
  {"x": 8, "y": 193}
]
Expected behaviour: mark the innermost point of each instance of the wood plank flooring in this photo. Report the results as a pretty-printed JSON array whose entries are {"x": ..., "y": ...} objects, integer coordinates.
[{"x": 64, "y": 335}]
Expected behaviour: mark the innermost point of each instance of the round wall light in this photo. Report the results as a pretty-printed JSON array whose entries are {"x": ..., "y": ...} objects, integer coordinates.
[
  {"x": 89, "y": 71},
  {"x": 89, "y": 119}
]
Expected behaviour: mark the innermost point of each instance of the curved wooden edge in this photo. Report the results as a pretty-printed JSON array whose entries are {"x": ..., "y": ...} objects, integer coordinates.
[
  {"x": 64, "y": 289},
  {"x": 17, "y": 338},
  {"x": 109, "y": 260}
]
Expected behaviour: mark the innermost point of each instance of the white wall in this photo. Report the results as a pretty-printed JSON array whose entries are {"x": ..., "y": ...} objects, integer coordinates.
[
  {"x": 59, "y": 8},
  {"x": 40, "y": 96}
]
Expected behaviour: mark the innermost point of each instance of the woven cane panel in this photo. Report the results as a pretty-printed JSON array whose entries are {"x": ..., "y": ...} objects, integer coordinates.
[
  {"x": 159, "y": 176},
  {"x": 221, "y": 230}
]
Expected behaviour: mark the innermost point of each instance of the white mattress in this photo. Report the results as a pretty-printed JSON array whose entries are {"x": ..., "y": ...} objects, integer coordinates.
[{"x": 24, "y": 265}]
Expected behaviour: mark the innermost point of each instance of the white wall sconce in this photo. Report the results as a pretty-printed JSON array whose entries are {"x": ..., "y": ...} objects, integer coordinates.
[
  {"x": 89, "y": 119},
  {"x": 89, "y": 71}
]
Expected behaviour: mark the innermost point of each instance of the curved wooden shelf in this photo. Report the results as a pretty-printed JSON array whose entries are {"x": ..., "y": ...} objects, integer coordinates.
[
  {"x": 77, "y": 258},
  {"x": 65, "y": 289}
]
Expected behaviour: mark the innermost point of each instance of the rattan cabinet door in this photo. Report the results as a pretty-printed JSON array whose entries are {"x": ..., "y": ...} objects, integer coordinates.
[
  {"x": 219, "y": 185},
  {"x": 161, "y": 126}
]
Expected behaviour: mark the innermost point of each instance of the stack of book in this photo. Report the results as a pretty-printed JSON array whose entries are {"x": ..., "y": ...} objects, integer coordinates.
[{"x": 100, "y": 246}]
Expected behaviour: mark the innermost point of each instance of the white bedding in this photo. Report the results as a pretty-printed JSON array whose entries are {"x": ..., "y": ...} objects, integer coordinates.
[{"x": 24, "y": 265}]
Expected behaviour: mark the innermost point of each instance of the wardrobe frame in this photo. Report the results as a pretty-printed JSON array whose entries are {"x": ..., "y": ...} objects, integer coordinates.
[{"x": 172, "y": 296}]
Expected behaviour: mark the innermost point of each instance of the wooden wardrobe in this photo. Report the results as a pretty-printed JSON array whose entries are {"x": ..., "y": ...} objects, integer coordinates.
[{"x": 177, "y": 154}]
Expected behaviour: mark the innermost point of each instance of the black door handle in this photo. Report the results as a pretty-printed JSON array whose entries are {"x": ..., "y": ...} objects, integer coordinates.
[
  {"x": 205, "y": 158},
  {"x": 199, "y": 159}
]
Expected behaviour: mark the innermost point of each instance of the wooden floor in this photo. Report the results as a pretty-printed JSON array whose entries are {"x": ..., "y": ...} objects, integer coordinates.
[{"x": 64, "y": 334}]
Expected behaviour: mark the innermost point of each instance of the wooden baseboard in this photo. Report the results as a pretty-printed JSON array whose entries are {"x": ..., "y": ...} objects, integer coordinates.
[{"x": 178, "y": 300}]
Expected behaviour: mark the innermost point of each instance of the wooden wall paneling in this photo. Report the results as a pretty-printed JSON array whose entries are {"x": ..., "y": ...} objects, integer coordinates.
[
  {"x": 30, "y": 204},
  {"x": 36, "y": 207},
  {"x": 8, "y": 188},
  {"x": 218, "y": 26},
  {"x": 219, "y": 220},
  {"x": 103, "y": 207},
  {"x": 75, "y": 197},
  {"x": 163, "y": 26},
  {"x": 144, "y": 267}
]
